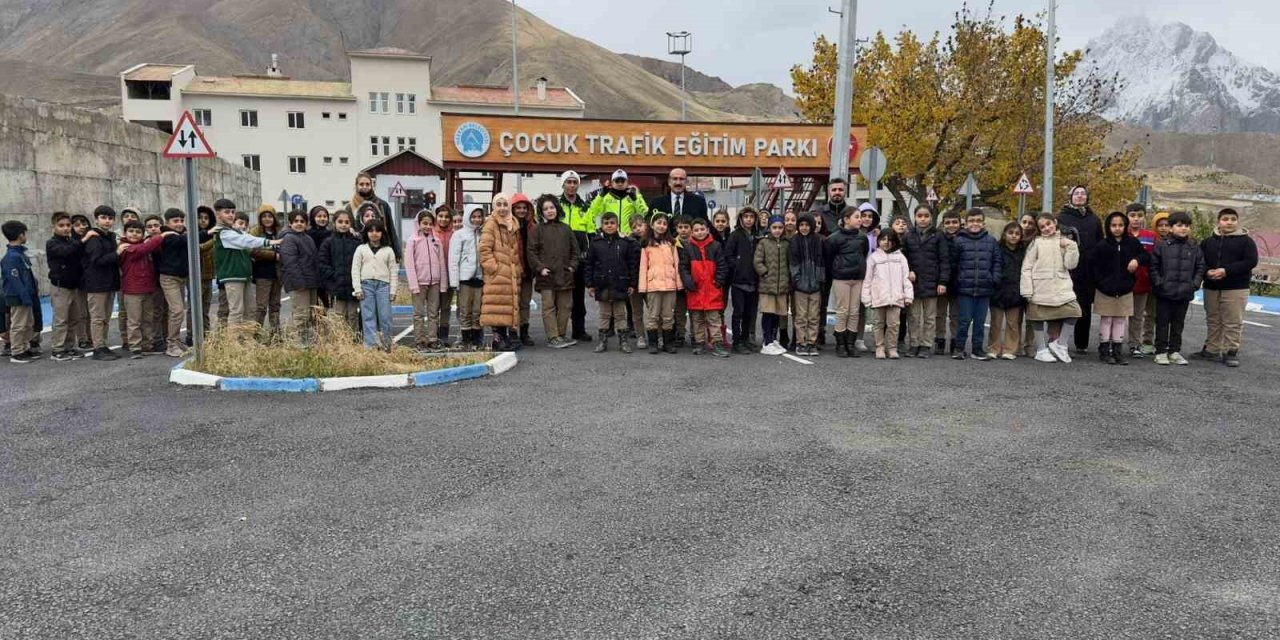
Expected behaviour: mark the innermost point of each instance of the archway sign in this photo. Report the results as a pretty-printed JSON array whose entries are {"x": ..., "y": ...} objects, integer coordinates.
[{"x": 551, "y": 145}]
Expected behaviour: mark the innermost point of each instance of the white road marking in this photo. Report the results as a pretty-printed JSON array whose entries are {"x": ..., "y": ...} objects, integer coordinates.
[
  {"x": 402, "y": 334},
  {"x": 796, "y": 359},
  {"x": 1257, "y": 324}
]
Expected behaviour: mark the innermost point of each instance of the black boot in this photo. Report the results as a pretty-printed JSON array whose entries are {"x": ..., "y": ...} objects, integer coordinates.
[
  {"x": 822, "y": 333},
  {"x": 1117, "y": 353},
  {"x": 939, "y": 346},
  {"x": 669, "y": 341},
  {"x": 1104, "y": 353},
  {"x": 442, "y": 334},
  {"x": 784, "y": 337},
  {"x": 525, "y": 338},
  {"x": 604, "y": 343},
  {"x": 842, "y": 344},
  {"x": 851, "y": 339},
  {"x": 652, "y": 336}
]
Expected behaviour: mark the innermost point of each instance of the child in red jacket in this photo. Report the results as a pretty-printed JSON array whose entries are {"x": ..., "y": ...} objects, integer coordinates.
[
  {"x": 704, "y": 272},
  {"x": 1142, "y": 324},
  {"x": 138, "y": 279}
]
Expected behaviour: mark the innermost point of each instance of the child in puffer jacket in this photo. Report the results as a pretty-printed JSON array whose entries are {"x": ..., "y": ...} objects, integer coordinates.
[{"x": 887, "y": 290}]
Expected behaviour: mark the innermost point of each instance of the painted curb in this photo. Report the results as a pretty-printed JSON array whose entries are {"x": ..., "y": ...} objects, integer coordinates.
[
  {"x": 445, "y": 376},
  {"x": 393, "y": 381},
  {"x": 502, "y": 363},
  {"x": 496, "y": 365},
  {"x": 283, "y": 385}
]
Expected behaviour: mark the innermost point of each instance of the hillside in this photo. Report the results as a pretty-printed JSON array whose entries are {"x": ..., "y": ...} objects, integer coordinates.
[
  {"x": 668, "y": 70},
  {"x": 469, "y": 43},
  {"x": 1254, "y": 155},
  {"x": 52, "y": 84}
]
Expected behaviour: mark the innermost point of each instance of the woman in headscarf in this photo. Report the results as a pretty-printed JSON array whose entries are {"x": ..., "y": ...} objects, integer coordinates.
[{"x": 500, "y": 262}]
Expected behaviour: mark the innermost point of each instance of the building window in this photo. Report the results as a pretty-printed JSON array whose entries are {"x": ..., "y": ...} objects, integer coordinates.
[
  {"x": 379, "y": 102},
  {"x": 203, "y": 117},
  {"x": 342, "y": 116},
  {"x": 296, "y": 120},
  {"x": 399, "y": 103},
  {"x": 329, "y": 203},
  {"x": 373, "y": 102},
  {"x": 373, "y": 144},
  {"x": 252, "y": 162},
  {"x": 386, "y": 145},
  {"x": 249, "y": 118},
  {"x": 413, "y": 104},
  {"x": 297, "y": 164},
  {"x": 400, "y": 144},
  {"x": 328, "y": 160},
  {"x": 325, "y": 115},
  {"x": 343, "y": 160},
  {"x": 386, "y": 102}
]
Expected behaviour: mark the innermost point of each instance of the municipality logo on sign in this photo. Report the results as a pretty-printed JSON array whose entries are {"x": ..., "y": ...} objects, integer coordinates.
[{"x": 471, "y": 139}]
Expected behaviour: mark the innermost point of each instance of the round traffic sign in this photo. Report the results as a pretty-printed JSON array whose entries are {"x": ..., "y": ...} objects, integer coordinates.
[{"x": 296, "y": 199}]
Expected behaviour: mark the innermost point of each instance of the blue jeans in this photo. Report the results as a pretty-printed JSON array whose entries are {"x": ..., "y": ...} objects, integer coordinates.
[
  {"x": 375, "y": 312},
  {"x": 973, "y": 311}
]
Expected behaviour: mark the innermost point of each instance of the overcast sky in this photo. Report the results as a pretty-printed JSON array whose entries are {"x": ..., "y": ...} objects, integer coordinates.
[{"x": 759, "y": 40}]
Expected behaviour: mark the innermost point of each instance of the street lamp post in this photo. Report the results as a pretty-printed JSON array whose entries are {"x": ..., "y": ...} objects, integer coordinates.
[
  {"x": 842, "y": 119},
  {"x": 680, "y": 43},
  {"x": 515, "y": 82}
]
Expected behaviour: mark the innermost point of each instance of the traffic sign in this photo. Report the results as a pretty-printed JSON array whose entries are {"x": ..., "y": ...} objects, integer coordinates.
[
  {"x": 872, "y": 165},
  {"x": 187, "y": 140},
  {"x": 932, "y": 197},
  {"x": 1024, "y": 186},
  {"x": 969, "y": 187},
  {"x": 398, "y": 191},
  {"x": 781, "y": 181},
  {"x": 711, "y": 204},
  {"x": 296, "y": 199}
]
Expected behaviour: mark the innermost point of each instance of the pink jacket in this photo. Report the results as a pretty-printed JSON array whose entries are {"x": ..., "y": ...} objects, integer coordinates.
[
  {"x": 886, "y": 283},
  {"x": 424, "y": 262},
  {"x": 660, "y": 269}
]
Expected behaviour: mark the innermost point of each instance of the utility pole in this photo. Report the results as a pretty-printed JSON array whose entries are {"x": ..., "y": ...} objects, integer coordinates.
[
  {"x": 515, "y": 82},
  {"x": 1050, "y": 42},
  {"x": 844, "y": 90}
]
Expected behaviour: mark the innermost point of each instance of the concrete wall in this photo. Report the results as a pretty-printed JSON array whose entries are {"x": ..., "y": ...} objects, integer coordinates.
[{"x": 56, "y": 158}]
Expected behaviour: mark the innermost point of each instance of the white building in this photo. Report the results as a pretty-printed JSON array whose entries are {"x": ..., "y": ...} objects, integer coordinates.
[{"x": 310, "y": 138}]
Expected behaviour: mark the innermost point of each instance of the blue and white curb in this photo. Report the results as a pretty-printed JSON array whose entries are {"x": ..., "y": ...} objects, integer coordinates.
[{"x": 499, "y": 364}]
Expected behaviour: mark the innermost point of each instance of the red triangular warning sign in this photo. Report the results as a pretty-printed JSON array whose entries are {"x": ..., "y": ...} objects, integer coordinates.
[
  {"x": 1024, "y": 186},
  {"x": 188, "y": 141}
]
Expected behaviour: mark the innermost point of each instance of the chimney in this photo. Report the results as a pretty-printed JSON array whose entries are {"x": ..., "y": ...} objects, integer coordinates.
[
  {"x": 273, "y": 71},
  {"x": 542, "y": 89}
]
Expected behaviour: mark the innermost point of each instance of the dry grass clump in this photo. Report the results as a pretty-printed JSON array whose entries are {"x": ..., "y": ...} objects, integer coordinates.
[{"x": 335, "y": 350}]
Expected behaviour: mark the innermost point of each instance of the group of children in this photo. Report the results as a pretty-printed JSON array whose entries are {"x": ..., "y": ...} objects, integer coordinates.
[{"x": 921, "y": 283}]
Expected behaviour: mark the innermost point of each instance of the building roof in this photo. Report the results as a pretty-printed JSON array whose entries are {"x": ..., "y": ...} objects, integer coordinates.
[
  {"x": 557, "y": 97},
  {"x": 389, "y": 52},
  {"x": 266, "y": 86},
  {"x": 407, "y": 162},
  {"x": 153, "y": 72}
]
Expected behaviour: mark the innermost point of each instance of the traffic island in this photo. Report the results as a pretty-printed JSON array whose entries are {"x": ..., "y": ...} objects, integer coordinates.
[{"x": 329, "y": 360}]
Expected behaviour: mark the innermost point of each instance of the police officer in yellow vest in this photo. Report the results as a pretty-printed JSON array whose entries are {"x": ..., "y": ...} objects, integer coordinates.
[{"x": 583, "y": 226}]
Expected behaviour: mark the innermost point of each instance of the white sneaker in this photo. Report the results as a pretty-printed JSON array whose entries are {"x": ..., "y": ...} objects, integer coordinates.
[
  {"x": 860, "y": 346},
  {"x": 1059, "y": 351},
  {"x": 1162, "y": 358},
  {"x": 1010, "y": 356},
  {"x": 1177, "y": 358},
  {"x": 1044, "y": 355},
  {"x": 775, "y": 349}
]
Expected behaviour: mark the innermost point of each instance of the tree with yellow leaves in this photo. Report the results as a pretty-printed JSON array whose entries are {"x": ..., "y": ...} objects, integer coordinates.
[{"x": 974, "y": 102}]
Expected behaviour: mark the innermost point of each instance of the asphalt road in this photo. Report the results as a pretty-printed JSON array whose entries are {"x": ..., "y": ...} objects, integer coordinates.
[{"x": 611, "y": 496}]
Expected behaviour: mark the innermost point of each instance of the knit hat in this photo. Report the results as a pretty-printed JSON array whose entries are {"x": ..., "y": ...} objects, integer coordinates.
[
  {"x": 867, "y": 206},
  {"x": 266, "y": 208},
  {"x": 104, "y": 210},
  {"x": 776, "y": 219},
  {"x": 1155, "y": 220},
  {"x": 569, "y": 175}
]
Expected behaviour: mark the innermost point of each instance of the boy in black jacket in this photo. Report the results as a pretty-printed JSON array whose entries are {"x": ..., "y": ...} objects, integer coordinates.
[
  {"x": 101, "y": 278},
  {"x": 1177, "y": 269},
  {"x": 929, "y": 258},
  {"x": 1230, "y": 256},
  {"x": 65, "y": 254},
  {"x": 173, "y": 266},
  {"x": 611, "y": 272}
]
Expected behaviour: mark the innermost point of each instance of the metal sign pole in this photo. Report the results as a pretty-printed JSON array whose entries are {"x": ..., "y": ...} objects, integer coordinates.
[
  {"x": 1022, "y": 204},
  {"x": 968, "y": 193},
  {"x": 194, "y": 302}
]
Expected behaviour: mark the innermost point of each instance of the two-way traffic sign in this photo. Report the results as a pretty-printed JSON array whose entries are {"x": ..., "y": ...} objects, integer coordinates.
[
  {"x": 187, "y": 140},
  {"x": 1024, "y": 186}
]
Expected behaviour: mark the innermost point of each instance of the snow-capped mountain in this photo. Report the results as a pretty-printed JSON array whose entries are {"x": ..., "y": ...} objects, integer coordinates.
[{"x": 1177, "y": 79}]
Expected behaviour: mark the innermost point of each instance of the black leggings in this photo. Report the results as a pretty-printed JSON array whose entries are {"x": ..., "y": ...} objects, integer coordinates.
[
  {"x": 746, "y": 304},
  {"x": 769, "y": 323}
]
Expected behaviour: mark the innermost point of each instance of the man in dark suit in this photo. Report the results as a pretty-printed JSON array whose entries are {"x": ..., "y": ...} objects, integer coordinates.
[{"x": 680, "y": 202}]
